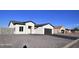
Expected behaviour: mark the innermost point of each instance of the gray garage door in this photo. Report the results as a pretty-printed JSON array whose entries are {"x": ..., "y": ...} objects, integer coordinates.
[{"x": 47, "y": 31}]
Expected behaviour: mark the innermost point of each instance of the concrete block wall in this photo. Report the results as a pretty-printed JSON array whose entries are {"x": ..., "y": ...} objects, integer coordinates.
[{"x": 6, "y": 31}]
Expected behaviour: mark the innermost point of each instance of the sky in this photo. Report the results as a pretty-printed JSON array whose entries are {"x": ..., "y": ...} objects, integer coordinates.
[{"x": 66, "y": 18}]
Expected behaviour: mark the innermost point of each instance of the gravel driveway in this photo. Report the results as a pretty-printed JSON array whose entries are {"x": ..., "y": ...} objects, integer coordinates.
[{"x": 32, "y": 41}]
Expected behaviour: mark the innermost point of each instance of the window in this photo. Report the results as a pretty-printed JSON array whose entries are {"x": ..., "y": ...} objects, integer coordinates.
[
  {"x": 21, "y": 29},
  {"x": 29, "y": 27}
]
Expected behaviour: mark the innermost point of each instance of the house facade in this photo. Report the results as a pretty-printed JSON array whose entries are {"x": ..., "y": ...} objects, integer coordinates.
[
  {"x": 68, "y": 31},
  {"x": 59, "y": 29},
  {"x": 44, "y": 29},
  {"x": 30, "y": 27}
]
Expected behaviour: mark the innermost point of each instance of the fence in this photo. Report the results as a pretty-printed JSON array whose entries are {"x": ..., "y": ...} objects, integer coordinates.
[{"x": 6, "y": 31}]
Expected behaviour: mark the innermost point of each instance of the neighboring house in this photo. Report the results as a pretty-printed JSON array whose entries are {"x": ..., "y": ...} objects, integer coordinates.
[
  {"x": 67, "y": 31},
  {"x": 59, "y": 29},
  {"x": 30, "y": 27}
]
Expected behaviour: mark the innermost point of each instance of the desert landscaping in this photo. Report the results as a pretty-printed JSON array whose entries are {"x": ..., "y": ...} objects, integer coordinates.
[{"x": 33, "y": 41}]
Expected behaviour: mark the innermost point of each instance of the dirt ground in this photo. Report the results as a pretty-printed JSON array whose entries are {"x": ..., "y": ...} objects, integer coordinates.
[{"x": 32, "y": 41}]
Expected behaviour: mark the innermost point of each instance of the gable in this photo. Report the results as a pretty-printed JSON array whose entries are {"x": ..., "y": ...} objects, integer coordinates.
[
  {"x": 48, "y": 26},
  {"x": 30, "y": 23},
  {"x": 10, "y": 24},
  {"x": 62, "y": 28}
]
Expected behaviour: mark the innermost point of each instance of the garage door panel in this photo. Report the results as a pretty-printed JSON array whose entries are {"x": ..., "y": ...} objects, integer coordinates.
[{"x": 47, "y": 31}]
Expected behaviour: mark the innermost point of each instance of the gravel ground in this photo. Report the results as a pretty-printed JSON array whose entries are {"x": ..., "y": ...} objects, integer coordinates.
[
  {"x": 69, "y": 36},
  {"x": 76, "y": 45},
  {"x": 32, "y": 41}
]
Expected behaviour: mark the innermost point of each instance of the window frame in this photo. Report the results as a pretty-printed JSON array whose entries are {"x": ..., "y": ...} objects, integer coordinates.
[{"x": 21, "y": 29}]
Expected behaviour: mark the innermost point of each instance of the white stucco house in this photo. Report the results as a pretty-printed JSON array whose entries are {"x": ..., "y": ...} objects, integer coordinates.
[{"x": 30, "y": 27}]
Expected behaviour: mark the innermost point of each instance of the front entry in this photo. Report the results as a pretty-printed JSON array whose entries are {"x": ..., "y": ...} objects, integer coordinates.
[
  {"x": 47, "y": 31},
  {"x": 62, "y": 31}
]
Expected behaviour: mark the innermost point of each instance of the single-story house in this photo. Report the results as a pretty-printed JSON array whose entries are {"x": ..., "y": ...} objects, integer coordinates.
[
  {"x": 67, "y": 31},
  {"x": 59, "y": 29},
  {"x": 29, "y": 27}
]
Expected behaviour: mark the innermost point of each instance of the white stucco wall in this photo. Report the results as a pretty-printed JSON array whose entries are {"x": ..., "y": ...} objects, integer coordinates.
[
  {"x": 16, "y": 31},
  {"x": 28, "y": 31},
  {"x": 40, "y": 30},
  {"x": 25, "y": 28}
]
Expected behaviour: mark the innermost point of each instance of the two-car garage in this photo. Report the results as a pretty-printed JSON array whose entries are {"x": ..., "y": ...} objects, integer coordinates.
[{"x": 47, "y": 31}]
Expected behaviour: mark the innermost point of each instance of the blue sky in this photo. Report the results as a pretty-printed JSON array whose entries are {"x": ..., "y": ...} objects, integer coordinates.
[{"x": 67, "y": 18}]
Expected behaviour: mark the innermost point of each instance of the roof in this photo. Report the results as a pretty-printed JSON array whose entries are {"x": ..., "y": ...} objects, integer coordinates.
[
  {"x": 58, "y": 27},
  {"x": 68, "y": 29},
  {"x": 40, "y": 25},
  {"x": 20, "y": 23},
  {"x": 23, "y": 23},
  {"x": 17, "y": 22}
]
